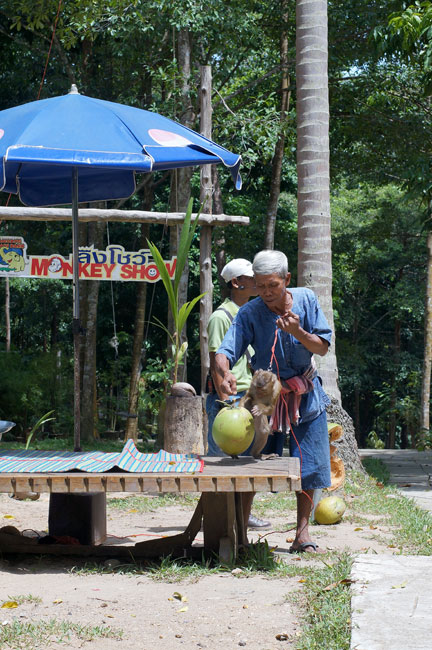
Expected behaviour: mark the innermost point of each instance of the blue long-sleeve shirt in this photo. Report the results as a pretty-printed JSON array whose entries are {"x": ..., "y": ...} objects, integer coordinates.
[{"x": 255, "y": 325}]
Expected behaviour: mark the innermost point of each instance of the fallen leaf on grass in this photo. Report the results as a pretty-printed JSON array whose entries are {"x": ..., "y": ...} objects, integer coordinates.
[
  {"x": 9, "y": 604},
  {"x": 379, "y": 484},
  {"x": 344, "y": 582},
  {"x": 302, "y": 580}
]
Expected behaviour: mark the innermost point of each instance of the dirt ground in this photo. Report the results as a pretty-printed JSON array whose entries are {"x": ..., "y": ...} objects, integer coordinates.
[{"x": 222, "y": 611}]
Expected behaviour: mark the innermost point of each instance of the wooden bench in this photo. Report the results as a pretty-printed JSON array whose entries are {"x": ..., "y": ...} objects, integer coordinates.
[{"x": 219, "y": 510}]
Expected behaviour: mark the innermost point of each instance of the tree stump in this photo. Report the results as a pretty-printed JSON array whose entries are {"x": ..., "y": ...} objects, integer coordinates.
[{"x": 183, "y": 431}]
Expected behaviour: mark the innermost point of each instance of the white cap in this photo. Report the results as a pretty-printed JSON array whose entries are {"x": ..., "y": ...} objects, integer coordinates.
[{"x": 236, "y": 268}]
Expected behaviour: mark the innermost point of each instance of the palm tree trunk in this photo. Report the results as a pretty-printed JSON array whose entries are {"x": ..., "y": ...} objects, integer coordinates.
[{"x": 313, "y": 169}]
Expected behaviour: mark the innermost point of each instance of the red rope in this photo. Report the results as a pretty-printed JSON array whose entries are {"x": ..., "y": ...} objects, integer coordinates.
[{"x": 273, "y": 358}]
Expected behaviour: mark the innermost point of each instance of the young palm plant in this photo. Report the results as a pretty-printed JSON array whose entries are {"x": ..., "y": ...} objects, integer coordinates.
[{"x": 181, "y": 313}]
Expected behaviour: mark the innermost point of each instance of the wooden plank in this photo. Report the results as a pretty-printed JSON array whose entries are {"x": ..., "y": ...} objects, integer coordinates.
[
  {"x": 58, "y": 483},
  {"x": 97, "y": 483},
  {"x": 169, "y": 484},
  {"x": 22, "y": 484},
  {"x": 219, "y": 475},
  {"x": 6, "y": 484},
  {"x": 224, "y": 484},
  {"x": 114, "y": 483},
  {"x": 243, "y": 484},
  {"x": 78, "y": 484},
  {"x": 261, "y": 484},
  {"x": 189, "y": 484},
  {"x": 19, "y": 213},
  {"x": 206, "y": 484},
  {"x": 150, "y": 484},
  {"x": 219, "y": 520}
]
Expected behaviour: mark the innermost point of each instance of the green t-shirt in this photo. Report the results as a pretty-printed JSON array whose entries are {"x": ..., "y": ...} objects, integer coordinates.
[{"x": 218, "y": 326}]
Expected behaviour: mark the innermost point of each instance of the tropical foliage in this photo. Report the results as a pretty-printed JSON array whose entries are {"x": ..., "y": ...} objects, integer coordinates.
[{"x": 380, "y": 147}]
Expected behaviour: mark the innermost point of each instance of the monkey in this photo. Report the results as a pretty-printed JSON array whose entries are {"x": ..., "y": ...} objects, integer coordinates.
[{"x": 260, "y": 400}]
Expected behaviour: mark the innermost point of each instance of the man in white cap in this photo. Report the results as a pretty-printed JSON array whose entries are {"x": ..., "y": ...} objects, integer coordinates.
[{"x": 238, "y": 275}]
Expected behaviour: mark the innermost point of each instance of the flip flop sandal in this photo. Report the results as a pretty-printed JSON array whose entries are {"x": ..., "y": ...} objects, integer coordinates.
[{"x": 302, "y": 548}]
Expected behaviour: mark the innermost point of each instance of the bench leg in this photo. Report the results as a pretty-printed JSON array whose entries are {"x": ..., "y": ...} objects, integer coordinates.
[{"x": 223, "y": 524}]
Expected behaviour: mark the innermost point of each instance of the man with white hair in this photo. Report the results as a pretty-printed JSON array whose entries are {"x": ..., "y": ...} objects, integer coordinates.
[
  {"x": 238, "y": 275},
  {"x": 286, "y": 327}
]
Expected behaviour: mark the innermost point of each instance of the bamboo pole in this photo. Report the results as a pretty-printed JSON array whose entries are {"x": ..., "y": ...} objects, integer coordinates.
[
  {"x": 132, "y": 216},
  {"x": 206, "y": 284}
]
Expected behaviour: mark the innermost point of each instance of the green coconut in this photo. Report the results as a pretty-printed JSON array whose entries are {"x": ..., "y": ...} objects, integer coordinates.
[
  {"x": 233, "y": 430},
  {"x": 329, "y": 510}
]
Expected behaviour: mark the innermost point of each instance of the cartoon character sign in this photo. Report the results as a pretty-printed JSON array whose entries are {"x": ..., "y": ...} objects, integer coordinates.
[
  {"x": 12, "y": 254},
  {"x": 55, "y": 265}
]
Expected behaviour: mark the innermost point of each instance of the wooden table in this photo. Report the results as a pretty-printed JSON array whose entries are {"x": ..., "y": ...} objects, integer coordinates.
[{"x": 219, "y": 510}]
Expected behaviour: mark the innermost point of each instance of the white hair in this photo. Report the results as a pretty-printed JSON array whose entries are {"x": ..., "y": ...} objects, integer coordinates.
[{"x": 269, "y": 261}]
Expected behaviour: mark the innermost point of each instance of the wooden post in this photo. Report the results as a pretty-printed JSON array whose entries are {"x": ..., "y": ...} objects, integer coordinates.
[{"x": 206, "y": 284}]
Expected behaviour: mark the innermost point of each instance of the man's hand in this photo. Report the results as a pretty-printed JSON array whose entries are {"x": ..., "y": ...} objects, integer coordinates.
[
  {"x": 225, "y": 382},
  {"x": 229, "y": 384},
  {"x": 290, "y": 323}
]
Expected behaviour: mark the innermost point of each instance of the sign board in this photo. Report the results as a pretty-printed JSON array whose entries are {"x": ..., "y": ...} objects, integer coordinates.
[{"x": 113, "y": 263}]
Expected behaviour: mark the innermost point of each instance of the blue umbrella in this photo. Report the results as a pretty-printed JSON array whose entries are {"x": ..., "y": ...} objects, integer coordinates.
[{"x": 73, "y": 148}]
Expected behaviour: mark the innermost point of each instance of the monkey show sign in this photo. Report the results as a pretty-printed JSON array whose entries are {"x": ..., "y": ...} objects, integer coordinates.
[{"x": 113, "y": 263}]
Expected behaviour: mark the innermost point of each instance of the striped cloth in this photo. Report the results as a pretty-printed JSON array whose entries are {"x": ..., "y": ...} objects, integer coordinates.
[{"x": 129, "y": 460}]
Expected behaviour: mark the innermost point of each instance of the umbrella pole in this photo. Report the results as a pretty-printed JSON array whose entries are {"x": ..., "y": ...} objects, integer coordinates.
[{"x": 76, "y": 314}]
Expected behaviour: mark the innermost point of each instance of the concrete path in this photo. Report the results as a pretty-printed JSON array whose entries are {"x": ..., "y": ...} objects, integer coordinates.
[{"x": 392, "y": 594}]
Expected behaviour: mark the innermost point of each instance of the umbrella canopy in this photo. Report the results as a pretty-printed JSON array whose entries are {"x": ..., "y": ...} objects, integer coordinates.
[
  {"x": 40, "y": 143},
  {"x": 73, "y": 148}
]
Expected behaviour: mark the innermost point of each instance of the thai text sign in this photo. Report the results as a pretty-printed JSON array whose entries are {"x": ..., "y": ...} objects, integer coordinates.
[{"x": 113, "y": 263}]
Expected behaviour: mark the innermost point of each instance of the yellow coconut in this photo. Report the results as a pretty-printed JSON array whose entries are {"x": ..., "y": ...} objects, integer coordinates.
[
  {"x": 329, "y": 510},
  {"x": 233, "y": 430}
]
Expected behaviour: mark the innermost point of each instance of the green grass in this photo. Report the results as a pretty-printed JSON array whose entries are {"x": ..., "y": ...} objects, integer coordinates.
[
  {"x": 28, "y": 598},
  {"x": 149, "y": 504},
  {"x": 67, "y": 444},
  {"x": 41, "y": 634},
  {"x": 325, "y": 601}
]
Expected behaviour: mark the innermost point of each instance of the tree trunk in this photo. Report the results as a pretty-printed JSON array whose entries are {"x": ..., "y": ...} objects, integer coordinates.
[
  {"x": 393, "y": 397},
  {"x": 219, "y": 233},
  {"x": 7, "y": 315},
  {"x": 206, "y": 284},
  {"x": 180, "y": 191},
  {"x": 313, "y": 170},
  {"x": 427, "y": 355},
  {"x": 280, "y": 144},
  {"x": 184, "y": 425},
  {"x": 137, "y": 349},
  {"x": 88, "y": 396}
]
